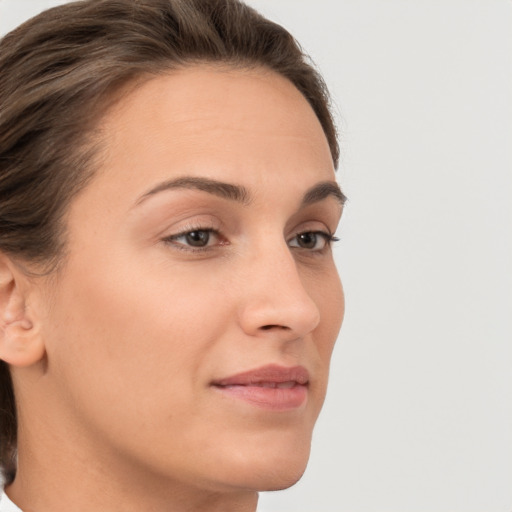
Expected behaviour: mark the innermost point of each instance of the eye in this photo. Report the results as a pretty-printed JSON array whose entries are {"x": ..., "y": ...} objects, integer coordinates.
[
  {"x": 312, "y": 240},
  {"x": 195, "y": 239},
  {"x": 199, "y": 238}
]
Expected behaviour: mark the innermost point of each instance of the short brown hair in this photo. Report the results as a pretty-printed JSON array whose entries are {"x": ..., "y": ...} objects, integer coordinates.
[{"x": 59, "y": 71}]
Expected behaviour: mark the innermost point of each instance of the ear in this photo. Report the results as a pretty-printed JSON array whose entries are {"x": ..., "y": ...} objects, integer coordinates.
[{"x": 20, "y": 342}]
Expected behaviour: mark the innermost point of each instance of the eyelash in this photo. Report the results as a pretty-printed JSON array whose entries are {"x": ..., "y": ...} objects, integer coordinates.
[{"x": 172, "y": 240}]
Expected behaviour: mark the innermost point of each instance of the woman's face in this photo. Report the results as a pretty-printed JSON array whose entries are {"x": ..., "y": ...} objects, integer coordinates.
[{"x": 190, "y": 330}]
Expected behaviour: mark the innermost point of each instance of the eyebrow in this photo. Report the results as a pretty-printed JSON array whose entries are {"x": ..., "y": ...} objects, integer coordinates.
[
  {"x": 322, "y": 191},
  {"x": 239, "y": 193},
  {"x": 229, "y": 191}
]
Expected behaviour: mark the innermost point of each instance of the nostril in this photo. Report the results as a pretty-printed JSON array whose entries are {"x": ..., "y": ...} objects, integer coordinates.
[{"x": 268, "y": 327}]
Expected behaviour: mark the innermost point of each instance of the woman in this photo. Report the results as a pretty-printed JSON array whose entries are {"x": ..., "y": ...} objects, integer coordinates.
[{"x": 168, "y": 297}]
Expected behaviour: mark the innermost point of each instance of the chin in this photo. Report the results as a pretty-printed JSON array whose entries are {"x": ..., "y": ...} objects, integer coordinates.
[
  {"x": 281, "y": 480},
  {"x": 277, "y": 479},
  {"x": 274, "y": 479},
  {"x": 272, "y": 470}
]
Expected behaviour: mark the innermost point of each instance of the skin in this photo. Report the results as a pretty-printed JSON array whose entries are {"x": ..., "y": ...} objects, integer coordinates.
[{"x": 113, "y": 357}]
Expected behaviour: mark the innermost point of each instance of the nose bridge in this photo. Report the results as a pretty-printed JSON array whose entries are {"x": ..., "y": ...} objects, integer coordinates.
[{"x": 276, "y": 298}]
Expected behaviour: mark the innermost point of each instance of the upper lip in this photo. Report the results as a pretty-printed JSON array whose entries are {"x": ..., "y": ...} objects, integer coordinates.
[{"x": 272, "y": 374}]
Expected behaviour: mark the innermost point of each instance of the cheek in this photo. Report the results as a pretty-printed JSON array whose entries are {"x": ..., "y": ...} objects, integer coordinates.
[
  {"x": 141, "y": 333},
  {"x": 327, "y": 293}
]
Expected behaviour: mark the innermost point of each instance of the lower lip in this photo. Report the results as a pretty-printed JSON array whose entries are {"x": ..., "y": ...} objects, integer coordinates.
[{"x": 275, "y": 399}]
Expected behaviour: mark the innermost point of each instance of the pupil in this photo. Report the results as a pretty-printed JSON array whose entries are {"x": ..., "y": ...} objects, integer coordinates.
[
  {"x": 307, "y": 240},
  {"x": 198, "y": 238}
]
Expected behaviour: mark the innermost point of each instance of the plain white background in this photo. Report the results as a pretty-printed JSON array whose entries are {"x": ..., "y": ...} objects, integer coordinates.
[{"x": 419, "y": 412}]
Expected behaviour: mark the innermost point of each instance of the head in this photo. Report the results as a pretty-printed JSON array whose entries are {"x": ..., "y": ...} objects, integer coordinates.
[{"x": 167, "y": 200}]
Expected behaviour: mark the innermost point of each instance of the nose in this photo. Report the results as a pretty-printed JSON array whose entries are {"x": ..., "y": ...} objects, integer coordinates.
[{"x": 276, "y": 302}]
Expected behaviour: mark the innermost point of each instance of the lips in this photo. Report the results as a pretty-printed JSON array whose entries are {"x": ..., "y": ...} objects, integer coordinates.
[{"x": 271, "y": 387}]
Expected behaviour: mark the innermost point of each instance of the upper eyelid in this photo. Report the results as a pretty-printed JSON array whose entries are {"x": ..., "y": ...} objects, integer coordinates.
[
  {"x": 189, "y": 229},
  {"x": 313, "y": 226},
  {"x": 216, "y": 224},
  {"x": 174, "y": 236},
  {"x": 325, "y": 232},
  {"x": 187, "y": 226}
]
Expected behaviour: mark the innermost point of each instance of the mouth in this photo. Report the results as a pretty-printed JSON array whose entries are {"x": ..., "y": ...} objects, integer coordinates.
[{"x": 270, "y": 387}]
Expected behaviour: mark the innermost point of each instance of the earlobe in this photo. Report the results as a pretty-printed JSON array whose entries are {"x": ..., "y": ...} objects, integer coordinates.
[{"x": 20, "y": 341}]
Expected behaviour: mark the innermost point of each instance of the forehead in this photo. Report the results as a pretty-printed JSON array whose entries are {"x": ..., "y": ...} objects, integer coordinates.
[
  {"x": 210, "y": 93},
  {"x": 246, "y": 124}
]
